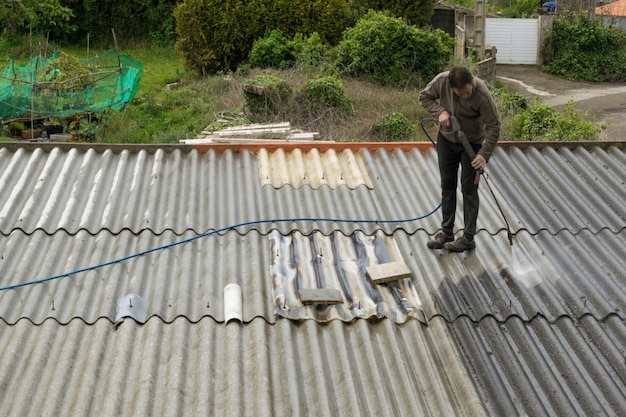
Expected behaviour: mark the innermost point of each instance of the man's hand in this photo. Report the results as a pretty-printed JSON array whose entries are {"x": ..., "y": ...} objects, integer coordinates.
[
  {"x": 444, "y": 119},
  {"x": 479, "y": 163}
]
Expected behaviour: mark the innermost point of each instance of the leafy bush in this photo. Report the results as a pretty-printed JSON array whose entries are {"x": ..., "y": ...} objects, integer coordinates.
[
  {"x": 266, "y": 94},
  {"x": 273, "y": 50},
  {"x": 326, "y": 17},
  {"x": 543, "y": 122},
  {"x": 324, "y": 92},
  {"x": 392, "y": 52},
  {"x": 217, "y": 35},
  {"x": 311, "y": 51},
  {"x": 509, "y": 103},
  {"x": 394, "y": 127},
  {"x": 414, "y": 12},
  {"x": 582, "y": 49}
]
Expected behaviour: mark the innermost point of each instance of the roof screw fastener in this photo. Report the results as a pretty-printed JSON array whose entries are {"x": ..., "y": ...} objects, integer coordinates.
[{"x": 53, "y": 305}]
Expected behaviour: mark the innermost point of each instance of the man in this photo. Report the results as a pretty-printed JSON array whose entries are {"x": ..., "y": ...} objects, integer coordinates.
[{"x": 458, "y": 93}]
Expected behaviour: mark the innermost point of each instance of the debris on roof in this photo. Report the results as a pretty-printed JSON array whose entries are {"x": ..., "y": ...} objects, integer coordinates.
[
  {"x": 253, "y": 133},
  {"x": 320, "y": 296},
  {"x": 386, "y": 272}
]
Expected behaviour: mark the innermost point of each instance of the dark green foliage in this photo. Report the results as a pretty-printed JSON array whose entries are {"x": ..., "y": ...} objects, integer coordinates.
[
  {"x": 273, "y": 50},
  {"x": 217, "y": 36},
  {"x": 394, "y": 127},
  {"x": 35, "y": 16},
  {"x": 276, "y": 51},
  {"x": 580, "y": 49},
  {"x": 326, "y": 17},
  {"x": 311, "y": 51},
  {"x": 325, "y": 92},
  {"x": 392, "y": 52},
  {"x": 162, "y": 29},
  {"x": 413, "y": 12},
  {"x": 266, "y": 95},
  {"x": 131, "y": 20}
]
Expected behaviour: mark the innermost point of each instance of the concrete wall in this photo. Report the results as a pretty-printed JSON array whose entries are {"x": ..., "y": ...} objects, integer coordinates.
[
  {"x": 617, "y": 22},
  {"x": 487, "y": 70},
  {"x": 545, "y": 25}
]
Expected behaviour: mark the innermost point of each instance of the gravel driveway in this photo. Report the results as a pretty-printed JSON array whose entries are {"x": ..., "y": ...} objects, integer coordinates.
[{"x": 606, "y": 101}]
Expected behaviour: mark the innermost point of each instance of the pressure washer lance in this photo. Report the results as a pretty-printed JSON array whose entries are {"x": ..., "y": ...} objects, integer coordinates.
[{"x": 456, "y": 127}]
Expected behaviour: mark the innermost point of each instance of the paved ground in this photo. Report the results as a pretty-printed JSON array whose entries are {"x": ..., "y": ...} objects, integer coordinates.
[{"x": 606, "y": 101}]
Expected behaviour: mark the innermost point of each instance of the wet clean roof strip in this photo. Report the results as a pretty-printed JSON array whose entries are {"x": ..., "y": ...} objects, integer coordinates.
[
  {"x": 338, "y": 263},
  {"x": 314, "y": 168}
]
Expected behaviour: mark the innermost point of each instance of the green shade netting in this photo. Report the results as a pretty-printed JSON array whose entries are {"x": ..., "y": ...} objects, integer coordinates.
[{"x": 62, "y": 86}]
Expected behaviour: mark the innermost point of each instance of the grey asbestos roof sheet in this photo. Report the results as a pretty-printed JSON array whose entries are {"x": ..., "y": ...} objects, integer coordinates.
[{"x": 532, "y": 329}]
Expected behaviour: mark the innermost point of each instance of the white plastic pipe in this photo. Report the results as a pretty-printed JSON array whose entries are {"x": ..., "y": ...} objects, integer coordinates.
[{"x": 233, "y": 303}]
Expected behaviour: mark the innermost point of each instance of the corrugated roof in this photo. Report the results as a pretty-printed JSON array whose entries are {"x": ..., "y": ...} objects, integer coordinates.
[{"x": 533, "y": 329}]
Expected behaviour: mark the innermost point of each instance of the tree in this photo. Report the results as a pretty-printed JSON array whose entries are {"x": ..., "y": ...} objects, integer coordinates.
[
  {"x": 217, "y": 35},
  {"x": 392, "y": 52},
  {"x": 413, "y": 12},
  {"x": 41, "y": 15}
]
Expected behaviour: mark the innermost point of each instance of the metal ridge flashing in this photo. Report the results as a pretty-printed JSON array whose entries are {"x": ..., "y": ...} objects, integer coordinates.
[
  {"x": 387, "y": 146},
  {"x": 319, "y": 145},
  {"x": 272, "y": 145}
]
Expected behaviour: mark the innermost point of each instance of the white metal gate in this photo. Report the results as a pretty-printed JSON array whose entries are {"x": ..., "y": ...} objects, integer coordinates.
[{"x": 516, "y": 40}]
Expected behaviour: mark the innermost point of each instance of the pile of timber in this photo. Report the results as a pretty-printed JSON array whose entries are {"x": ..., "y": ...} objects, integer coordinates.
[{"x": 263, "y": 132}]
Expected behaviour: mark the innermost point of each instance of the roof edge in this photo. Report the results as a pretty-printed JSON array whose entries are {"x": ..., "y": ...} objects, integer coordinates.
[{"x": 273, "y": 145}]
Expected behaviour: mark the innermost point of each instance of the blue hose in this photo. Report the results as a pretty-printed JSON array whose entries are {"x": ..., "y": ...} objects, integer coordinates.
[
  {"x": 170, "y": 245},
  {"x": 223, "y": 229}
]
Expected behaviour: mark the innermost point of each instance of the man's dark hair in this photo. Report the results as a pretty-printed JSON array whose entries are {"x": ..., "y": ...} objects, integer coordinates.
[{"x": 459, "y": 77}]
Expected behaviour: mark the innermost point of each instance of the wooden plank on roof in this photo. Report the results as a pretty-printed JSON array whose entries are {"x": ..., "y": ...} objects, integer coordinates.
[
  {"x": 320, "y": 296},
  {"x": 390, "y": 271}
]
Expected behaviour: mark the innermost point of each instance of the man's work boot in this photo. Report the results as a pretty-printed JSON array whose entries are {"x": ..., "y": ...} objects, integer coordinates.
[
  {"x": 461, "y": 244},
  {"x": 439, "y": 240}
]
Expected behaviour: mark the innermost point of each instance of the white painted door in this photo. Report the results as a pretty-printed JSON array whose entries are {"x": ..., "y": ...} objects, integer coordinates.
[{"x": 516, "y": 40}]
